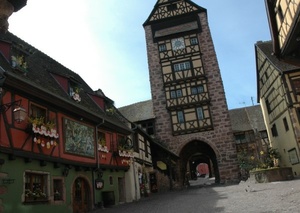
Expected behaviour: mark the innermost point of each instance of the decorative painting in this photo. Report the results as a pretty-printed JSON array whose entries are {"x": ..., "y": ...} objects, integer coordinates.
[{"x": 79, "y": 138}]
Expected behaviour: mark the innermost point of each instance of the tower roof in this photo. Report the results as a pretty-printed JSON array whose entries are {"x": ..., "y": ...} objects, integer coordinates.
[{"x": 164, "y": 9}]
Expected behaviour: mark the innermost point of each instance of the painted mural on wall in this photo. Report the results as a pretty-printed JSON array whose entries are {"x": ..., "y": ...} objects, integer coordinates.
[{"x": 79, "y": 138}]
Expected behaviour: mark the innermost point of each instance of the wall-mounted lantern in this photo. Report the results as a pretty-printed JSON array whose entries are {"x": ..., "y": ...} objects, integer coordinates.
[{"x": 19, "y": 112}]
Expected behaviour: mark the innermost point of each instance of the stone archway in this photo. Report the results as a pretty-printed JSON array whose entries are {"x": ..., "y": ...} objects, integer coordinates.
[{"x": 196, "y": 152}]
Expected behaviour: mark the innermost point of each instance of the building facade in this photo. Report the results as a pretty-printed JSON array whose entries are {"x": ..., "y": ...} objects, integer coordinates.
[
  {"x": 251, "y": 138},
  {"x": 64, "y": 147},
  {"x": 161, "y": 174},
  {"x": 191, "y": 114},
  {"x": 283, "y": 16},
  {"x": 278, "y": 93}
]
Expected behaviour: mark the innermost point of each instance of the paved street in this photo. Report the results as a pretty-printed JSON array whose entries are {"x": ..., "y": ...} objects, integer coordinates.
[{"x": 245, "y": 197}]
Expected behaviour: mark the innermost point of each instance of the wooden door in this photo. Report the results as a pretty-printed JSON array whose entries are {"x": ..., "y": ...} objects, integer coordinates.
[
  {"x": 81, "y": 196},
  {"x": 121, "y": 185}
]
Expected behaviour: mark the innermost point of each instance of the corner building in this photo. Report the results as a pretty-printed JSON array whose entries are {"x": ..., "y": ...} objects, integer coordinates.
[{"x": 191, "y": 113}]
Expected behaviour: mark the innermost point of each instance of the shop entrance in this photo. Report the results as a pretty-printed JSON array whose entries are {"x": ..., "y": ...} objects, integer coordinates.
[{"x": 81, "y": 196}]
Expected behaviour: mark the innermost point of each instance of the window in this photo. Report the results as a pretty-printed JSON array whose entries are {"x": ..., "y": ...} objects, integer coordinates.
[
  {"x": 200, "y": 113},
  {"x": 173, "y": 94},
  {"x": 136, "y": 142},
  {"x": 274, "y": 130},
  {"x": 286, "y": 125},
  {"x": 58, "y": 190},
  {"x": 197, "y": 90},
  {"x": 122, "y": 141},
  {"x": 268, "y": 106},
  {"x": 101, "y": 139},
  {"x": 36, "y": 188},
  {"x": 149, "y": 127},
  {"x": 263, "y": 134},
  {"x": 146, "y": 147},
  {"x": 162, "y": 48},
  {"x": 74, "y": 90},
  {"x": 194, "y": 41},
  {"x": 180, "y": 117},
  {"x": 176, "y": 93},
  {"x": 172, "y": 7},
  {"x": 37, "y": 111},
  {"x": 296, "y": 86},
  {"x": 182, "y": 66},
  {"x": 240, "y": 138},
  {"x": 111, "y": 180}
]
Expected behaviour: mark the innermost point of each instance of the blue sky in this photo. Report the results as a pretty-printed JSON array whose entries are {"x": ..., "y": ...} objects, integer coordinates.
[{"x": 104, "y": 42}]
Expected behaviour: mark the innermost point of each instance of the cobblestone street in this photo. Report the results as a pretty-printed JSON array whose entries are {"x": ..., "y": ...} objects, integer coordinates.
[{"x": 244, "y": 197}]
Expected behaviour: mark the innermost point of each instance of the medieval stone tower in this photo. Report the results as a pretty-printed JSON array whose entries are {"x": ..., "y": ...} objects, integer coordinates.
[{"x": 187, "y": 91}]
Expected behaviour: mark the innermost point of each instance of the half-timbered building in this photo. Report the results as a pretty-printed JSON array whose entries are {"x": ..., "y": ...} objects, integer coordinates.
[
  {"x": 278, "y": 94},
  {"x": 187, "y": 90},
  {"x": 283, "y": 16},
  {"x": 64, "y": 147},
  {"x": 160, "y": 175}
]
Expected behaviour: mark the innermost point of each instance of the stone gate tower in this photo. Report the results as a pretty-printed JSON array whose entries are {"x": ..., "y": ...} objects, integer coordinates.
[{"x": 191, "y": 113}]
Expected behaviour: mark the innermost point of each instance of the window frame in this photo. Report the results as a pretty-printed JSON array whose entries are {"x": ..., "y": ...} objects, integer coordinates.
[
  {"x": 182, "y": 66},
  {"x": 285, "y": 123},
  {"x": 180, "y": 117},
  {"x": 296, "y": 85},
  {"x": 176, "y": 94},
  {"x": 197, "y": 89},
  {"x": 274, "y": 130},
  {"x": 37, "y": 111},
  {"x": 162, "y": 48},
  {"x": 58, "y": 192},
  {"x": 194, "y": 41},
  {"x": 29, "y": 192},
  {"x": 200, "y": 113}
]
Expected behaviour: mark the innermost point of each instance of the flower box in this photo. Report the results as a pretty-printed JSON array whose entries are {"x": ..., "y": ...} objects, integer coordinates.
[{"x": 272, "y": 174}]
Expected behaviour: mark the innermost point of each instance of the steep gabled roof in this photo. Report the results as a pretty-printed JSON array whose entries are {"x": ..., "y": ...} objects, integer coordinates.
[
  {"x": 160, "y": 9},
  {"x": 140, "y": 111},
  {"x": 247, "y": 119},
  {"x": 267, "y": 49},
  {"x": 40, "y": 75}
]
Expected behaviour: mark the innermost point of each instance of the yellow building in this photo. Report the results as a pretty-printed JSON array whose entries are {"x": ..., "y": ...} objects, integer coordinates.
[{"x": 279, "y": 96}]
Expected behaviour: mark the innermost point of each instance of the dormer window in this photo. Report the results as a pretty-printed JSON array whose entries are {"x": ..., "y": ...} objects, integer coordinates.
[
  {"x": 19, "y": 62},
  {"x": 74, "y": 90}
]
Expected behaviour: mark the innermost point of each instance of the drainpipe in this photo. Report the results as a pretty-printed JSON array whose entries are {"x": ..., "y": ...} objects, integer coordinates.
[
  {"x": 98, "y": 162},
  {"x": 133, "y": 165},
  {"x": 2, "y": 79}
]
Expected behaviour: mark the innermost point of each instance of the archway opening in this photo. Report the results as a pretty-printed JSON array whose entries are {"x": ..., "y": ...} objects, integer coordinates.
[{"x": 198, "y": 157}]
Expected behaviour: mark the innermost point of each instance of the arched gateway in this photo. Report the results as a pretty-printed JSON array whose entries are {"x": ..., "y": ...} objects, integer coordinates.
[
  {"x": 193, "y": 155},
  {"x": 189, "y": 105}
]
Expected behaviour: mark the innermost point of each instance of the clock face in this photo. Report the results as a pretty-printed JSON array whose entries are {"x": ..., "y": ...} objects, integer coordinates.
[{"x": 178, "y": 43}]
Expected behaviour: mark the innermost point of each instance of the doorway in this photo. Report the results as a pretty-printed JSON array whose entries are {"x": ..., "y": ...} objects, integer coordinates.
[{"x": 81, "y": 196}]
